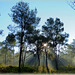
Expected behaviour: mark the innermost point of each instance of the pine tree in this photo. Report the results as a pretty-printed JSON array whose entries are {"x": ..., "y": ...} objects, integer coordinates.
[
  {"x": 53, "y": 30},
  {"x": 25, "y": 20}
]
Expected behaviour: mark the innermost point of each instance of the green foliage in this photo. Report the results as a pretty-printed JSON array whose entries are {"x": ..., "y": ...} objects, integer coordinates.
[
  {"x": 53, "y": 30},
  {"x": 1, "y": 31},
  {"x": 9, "y": 57},
  {"x": 66, "y": 69},
  {"x": 14, "y": 69},
  {"x": 8, "y": 68},
  {"x": 11, "y": 39}
]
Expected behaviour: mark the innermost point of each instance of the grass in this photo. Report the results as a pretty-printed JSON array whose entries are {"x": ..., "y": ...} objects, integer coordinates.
[
  {"x": 66, "y": 69},
  {"x": 14, "y": 69},
  {"x": 32, "y": 69}
]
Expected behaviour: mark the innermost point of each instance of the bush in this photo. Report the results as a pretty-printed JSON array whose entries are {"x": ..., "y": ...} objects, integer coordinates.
[
  {"x": 66, "y": 69},
  {"x": 8, "y": 68}
]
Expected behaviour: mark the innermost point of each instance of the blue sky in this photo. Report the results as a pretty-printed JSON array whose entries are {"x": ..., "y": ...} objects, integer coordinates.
[{"x": 46, "y": 9}]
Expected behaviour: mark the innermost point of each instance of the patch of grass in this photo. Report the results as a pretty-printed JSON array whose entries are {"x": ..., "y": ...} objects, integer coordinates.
[
  {"x": 8, "y": 68},
  {"x": 14, "y": 69},
  {"x": 66, "y": 69}
]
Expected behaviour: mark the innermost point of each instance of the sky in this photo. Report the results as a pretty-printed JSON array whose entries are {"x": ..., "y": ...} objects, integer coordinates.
[{"x": 46, "y": 9}]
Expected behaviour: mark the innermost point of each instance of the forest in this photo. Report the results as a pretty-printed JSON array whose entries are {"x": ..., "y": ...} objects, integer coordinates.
[{"x": 40, "y": 50}]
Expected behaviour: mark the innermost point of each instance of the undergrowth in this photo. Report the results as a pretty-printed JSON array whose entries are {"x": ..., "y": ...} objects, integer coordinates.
[{"x": 33, "y": 69}]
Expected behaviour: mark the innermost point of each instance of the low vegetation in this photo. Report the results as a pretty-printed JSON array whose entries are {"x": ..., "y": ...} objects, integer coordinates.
[{"x": 32, "y": 69}]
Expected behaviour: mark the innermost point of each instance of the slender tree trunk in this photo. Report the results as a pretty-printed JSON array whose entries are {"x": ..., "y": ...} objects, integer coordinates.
[
  {"x": 5, "y": 53},
  {"x": 38, "y": 56},
  {"x": 46, "y": 61},
  {"x": 56, "y": 59},
  {"x": 13, "y": 55},
  {"x": 56, "y": 62},
  {"x": 5, "y": 56},
  {"x": 20, "y": 59},
  {"x": 24, "y": 59},
  {"x": 43, "y": 62},
  {"x": 20, "y": 51}
]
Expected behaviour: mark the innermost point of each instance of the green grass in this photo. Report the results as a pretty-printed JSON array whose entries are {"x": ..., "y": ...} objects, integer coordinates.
[
  {"x": 33, "y": 69},
  {"x": 66, "y": 69},
  {"x": 14, "y": 69}
]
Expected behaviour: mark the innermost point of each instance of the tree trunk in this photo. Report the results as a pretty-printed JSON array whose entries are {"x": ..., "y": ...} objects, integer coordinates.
[
  {"x": 46, "y": 61},
  {"x": 38, "y": 56},
  {"x": 43, "y": 62},
  {"x": 20, "y": 59},
  {"x": 6, "y": 53},
  {"x": 56, "y": 62},
  {"x": 5, "y": 56},
  {"x": 24, "y": 59},
  {"x": 20, "y": 51},
  {"x": 13, "y": 55},
  {"x": 56, "y": 59}
]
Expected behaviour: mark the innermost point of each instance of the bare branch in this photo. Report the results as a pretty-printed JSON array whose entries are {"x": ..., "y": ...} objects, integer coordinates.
[{"x": 71, "y": 4}]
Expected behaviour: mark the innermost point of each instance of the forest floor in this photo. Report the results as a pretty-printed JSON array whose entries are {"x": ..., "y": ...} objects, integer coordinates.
[{"x": 33, "y": 69}]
